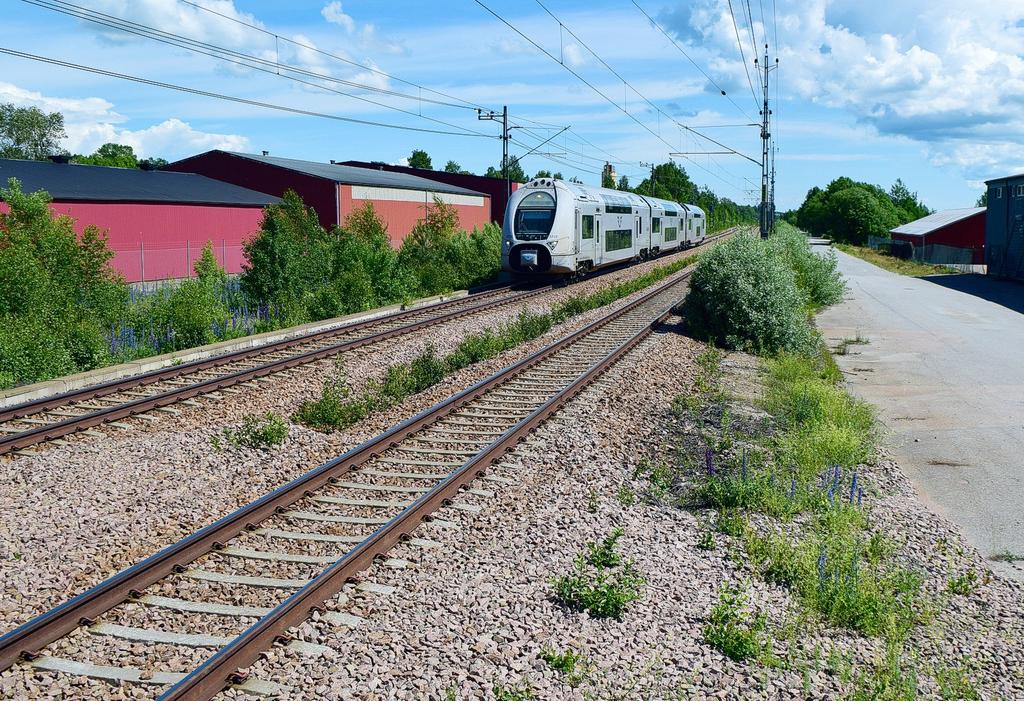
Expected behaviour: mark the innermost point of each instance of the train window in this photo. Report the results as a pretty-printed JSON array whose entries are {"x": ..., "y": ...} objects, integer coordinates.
[
  {"x": 671, "y": 233},
  {"x": 587, "y": 226},
  {"x": 656, "y": 225},
  {"x": 618, "y": 239},
  {"x": 534, "y": 221},
  {"x": 537, "y": 199},
  {"x": 614, "y": 204},
  {"x": 998, "y": 192},
  {"x": 671, "y": 212}
]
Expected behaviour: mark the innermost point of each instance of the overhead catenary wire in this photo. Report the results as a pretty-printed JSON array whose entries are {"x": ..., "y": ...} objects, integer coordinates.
[
  {"x": 743, "y": 57},
  {"x": 328, "y": 54},
  {"x": 606, "y": 97},
  {"x": 657, "y": 25},
  {"x": 231, "y": 56},
  {"x": 230, "y": 98}
]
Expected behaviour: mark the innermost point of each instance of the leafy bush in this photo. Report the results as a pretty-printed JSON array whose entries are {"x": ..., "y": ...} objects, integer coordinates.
[
  {"x": 258, "y": 432},
  {"x": 57, "y": 292},
  {"x": 733, "y": 629},
  {"x": 601, "y": 582},
  {"x": 744, "y": 295},
  {"x": 816, "y": 275}
]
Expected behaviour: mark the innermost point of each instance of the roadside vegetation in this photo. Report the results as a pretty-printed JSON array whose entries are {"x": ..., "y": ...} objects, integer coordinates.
[
  {"x": 893, "y": 264},
  {"x": 63, "y": 308},
  {"x": 782, "y": 490}
]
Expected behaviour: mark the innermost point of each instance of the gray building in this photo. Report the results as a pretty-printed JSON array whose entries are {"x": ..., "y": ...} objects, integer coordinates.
[{"x": 1004, "y": 227}]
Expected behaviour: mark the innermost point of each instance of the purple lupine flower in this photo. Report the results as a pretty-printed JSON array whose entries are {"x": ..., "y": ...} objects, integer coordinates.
[
  {"x": 709, "y": 462},
  {"x": 853, "y": 486},
  {"x": 821, "y": 567},
  {"x": 744, "y": 464},
  {"x": 792, "y": 488},
  {"x": 860, "y": 495}
]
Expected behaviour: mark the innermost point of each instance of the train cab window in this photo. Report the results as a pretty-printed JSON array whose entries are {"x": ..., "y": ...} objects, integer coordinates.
[
  {"x": 656, "y": 225},
  {"x": 587, "y": 226},
  {"x": 536, "y": 214}
]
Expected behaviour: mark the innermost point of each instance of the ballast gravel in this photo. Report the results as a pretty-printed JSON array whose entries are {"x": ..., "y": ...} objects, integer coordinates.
[
  {"x": 87, "y": 507},
  {"x": 474, "y": 614}
]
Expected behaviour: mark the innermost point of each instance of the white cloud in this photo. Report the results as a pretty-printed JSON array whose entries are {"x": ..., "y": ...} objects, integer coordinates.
[
  {"x": 573, "y": 55},
  {"x": 91, "y": 122},
  {"x": 942, "y": 72},
  {"x": 333, "y": 13},
  {"x": 169, "y": 139}
]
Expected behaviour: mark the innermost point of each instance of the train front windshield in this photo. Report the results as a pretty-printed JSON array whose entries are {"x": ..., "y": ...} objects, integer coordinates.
[{"x": 536, "y": 214}]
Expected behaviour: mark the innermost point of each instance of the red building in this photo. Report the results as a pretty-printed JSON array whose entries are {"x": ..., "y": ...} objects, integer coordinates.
[
  {"x": 493, "y": 187},
  {"x": 950, "y": 236},
  {"x": 156, "y": 222},
  {"x": 334, "y": 190}
]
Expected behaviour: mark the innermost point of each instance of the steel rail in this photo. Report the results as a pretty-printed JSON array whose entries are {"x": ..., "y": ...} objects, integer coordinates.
[
  {"x": 57, "y": 429},
  {"x": 172, "y": 371},
  {"x": 210, "y": 678}
]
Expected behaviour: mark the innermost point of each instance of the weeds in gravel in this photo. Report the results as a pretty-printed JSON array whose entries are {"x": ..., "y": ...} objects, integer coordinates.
[
  {"x": 659, "y": 477},
  {"x": 626, "y": 496},
  {"x": 734, "y": 628},
  {"x": 601, "y": 581},
  {"x": 570, "y": 664},
  {"x": 257, "y": 432},
  {"x": 337, "y": 410},
  {"x": 891, "y": 678},
  {"x": 593, "y": 501},
  {"x": 963, "y": 584},
  {"x": 1006, "y": 556},
  {"x": 519, "y": 692},
  {"x": 731, "y": 522},
  {"x": 706, "y": 541},
  {"x": 955, "y": 684}
]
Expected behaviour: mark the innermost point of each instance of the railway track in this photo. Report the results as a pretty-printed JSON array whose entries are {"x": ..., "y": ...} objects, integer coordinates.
[
  {"x": 267, "y": 566},
  {"x": 51, "y": 418}
]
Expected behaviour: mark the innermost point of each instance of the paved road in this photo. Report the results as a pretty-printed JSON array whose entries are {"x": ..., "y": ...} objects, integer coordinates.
[{"x": 945, "y": 365}]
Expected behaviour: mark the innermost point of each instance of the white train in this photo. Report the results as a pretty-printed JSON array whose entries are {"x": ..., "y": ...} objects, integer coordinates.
[{"x": 553, "y": 226}]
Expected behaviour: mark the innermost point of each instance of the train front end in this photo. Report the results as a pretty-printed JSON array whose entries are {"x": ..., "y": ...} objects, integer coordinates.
[{"x": 539, "y": 236}]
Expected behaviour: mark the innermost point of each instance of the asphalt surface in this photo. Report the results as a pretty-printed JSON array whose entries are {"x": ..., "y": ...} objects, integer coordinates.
[{"x": 944, "y": 364}]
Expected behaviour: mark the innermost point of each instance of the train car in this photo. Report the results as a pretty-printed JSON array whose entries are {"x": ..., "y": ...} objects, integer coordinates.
[{"x": 565, "y": 228}]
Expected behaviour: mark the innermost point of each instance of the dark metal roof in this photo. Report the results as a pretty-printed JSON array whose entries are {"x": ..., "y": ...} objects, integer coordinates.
[
  {"x": 71, "y": 181},
  {"x": 351, "y": 175}
]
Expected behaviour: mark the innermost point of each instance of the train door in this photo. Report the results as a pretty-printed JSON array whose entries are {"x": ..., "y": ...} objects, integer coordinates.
[
  {"x": 585, "y": 227},
  {"x": 643, "y": 246},
  {"x": 598, "y": 241}
]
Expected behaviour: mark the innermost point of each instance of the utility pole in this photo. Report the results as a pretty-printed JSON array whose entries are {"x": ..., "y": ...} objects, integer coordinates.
[
  {"x": 492, "y": 116},
  {"x": 642, "y": 164},
  {"x": 767, "y": 217}
]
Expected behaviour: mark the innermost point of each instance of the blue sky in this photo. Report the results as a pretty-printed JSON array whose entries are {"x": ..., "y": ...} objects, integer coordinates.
[{"x": 927, "y": 91}]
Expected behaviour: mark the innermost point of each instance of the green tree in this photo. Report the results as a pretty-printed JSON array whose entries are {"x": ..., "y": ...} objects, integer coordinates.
[
  {"x": 982, "y": 200},
  {"x": 607, "y": 180},
  {"x": 515, "y": 171},
  {"x": 420, "y": 159},
  {"x": 113, "y": 155},
  {"x": 57, "y": 291},
  {"x": 623, "y": 183},
  {"x": 908, "y": 206},
  {"x": 542, "y": 174},
  {"x": 30, "y": 133},
  {"x": 288, "y": 259},
  {"x": 152, "y": 163},
  {"x": 454, "y": 167},
  {"x": 859, "y": 213}
]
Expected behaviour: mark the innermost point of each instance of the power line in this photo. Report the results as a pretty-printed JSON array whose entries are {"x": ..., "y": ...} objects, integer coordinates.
[
  {"x": 688, "y": 57},
  {"x": 245, "y": 60},
  {"x": 743, "y": 57},
  {"x": 229, "y": 98},
  {"x": 607, "y": 98},
  {"x": 328, "y": 54}
]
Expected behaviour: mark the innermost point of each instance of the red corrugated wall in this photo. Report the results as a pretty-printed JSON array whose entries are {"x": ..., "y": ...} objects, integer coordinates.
[
  {"x": 160, "y": 241},
  {"x": 966, "y": 233},
  {"x": 401, "y": 216}
]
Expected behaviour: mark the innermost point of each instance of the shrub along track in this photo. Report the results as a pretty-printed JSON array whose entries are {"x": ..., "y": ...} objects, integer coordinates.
[
  {"x": 281, "y": 557},
  {"x": 50, "y": 418}
]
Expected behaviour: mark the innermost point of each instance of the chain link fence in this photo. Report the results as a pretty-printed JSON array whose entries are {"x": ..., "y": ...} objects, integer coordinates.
[{"x": 149, "y": 263}]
